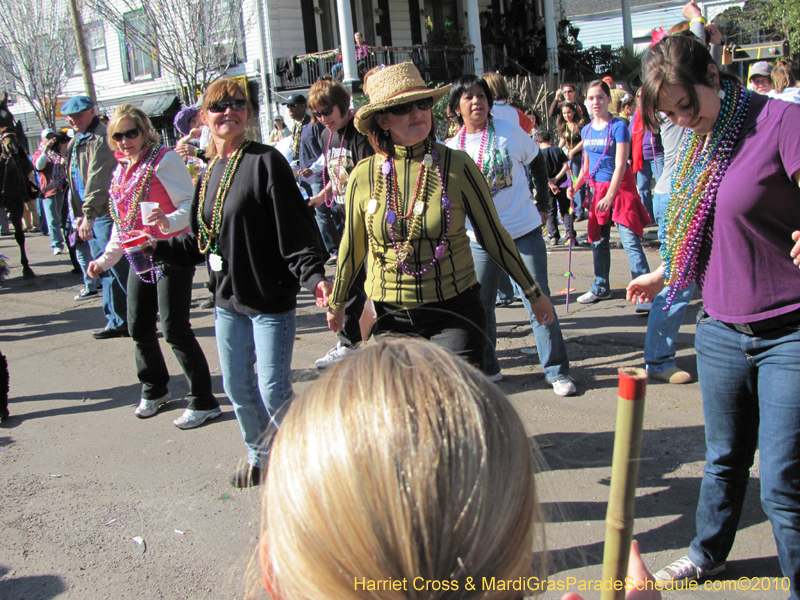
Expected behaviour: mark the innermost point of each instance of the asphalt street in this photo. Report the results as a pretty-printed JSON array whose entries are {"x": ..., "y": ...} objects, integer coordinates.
[{"x": 80, "y": 476}]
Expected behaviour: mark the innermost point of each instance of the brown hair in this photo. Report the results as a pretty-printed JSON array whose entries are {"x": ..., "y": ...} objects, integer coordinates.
[
  {"x": 498, "y": 85},
  {"x": 326, "y": 92},
  {"x": 675, "y": 60},
  {"x": 139, "y": 117},
  {"x": 402, "y": 461},
  {"x": 562, "y": 122},
  {"x": 782, "y": 78}
]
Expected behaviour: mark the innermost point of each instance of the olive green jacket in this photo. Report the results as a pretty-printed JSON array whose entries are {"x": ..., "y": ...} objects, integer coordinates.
[{"x": 96, "y": 164}]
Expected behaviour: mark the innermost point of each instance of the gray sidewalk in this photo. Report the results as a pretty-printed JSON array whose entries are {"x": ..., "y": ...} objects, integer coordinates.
[{"x": 81, "y": 476}]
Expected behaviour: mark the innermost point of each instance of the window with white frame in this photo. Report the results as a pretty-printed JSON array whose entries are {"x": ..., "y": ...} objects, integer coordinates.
[
  {"x": 96, "y": 45},
  {"x": 140, "y": 47}
]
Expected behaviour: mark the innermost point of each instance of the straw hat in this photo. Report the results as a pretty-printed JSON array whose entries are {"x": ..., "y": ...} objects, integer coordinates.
[{"x": 393, "y": 85}]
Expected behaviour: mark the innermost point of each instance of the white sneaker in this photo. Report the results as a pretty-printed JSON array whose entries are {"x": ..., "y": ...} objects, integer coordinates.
[
  {"x": 57, "y": 251},
  {"x": 194, "y": 418},
  {"x": 590, "y": 298},
  {"x": 334, "y": 355},
  {"x": 563, "y": 385},
  {"x": 496, "y": 377},
  {"x": 147, "y": 408},
  {"x": 644, "y": 308}
]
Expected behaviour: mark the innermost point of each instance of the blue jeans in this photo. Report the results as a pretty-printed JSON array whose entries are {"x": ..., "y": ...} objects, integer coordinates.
[
  {"x": 51, "y": 209},
  {"x": 115, "y": 279},
  {"x": 663, "y": 326},
  {"x": 649, "y": 174},
  {"x": 575, "y": 165},
  {"x": 601, "y": 251},
  {"x": 751, "y": 398},
  {"x": 83, "y": 252},
  {"x": 330, "y": 226},
  {"x": 242, "y": 342},
  {"x": 506, "y": 289},
  {"x": 549, "y": 341}
]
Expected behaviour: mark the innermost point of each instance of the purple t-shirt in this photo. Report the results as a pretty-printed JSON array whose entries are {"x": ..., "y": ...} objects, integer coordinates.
[
  {"x": 750, "y": 275},
  {"x": 594, "y": 142}
]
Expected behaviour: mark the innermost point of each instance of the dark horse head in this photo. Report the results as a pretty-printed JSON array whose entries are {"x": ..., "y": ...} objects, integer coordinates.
[{"x": 6, "y": 118}]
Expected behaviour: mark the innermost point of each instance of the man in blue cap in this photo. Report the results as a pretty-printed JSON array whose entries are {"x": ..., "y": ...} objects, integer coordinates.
[
  {"x": 91, "y": 164},
  {"x": 306, "y": 149}
]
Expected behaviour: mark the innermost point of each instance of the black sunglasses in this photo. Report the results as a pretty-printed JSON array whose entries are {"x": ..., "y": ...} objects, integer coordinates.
[
  {"x": 404, "y": 109},
  {"x": 325, "y": 112},
  {"x": 237, "y": 105},
  {"x": 290, "y": 106},
  {"x": 131, "y": 134}
]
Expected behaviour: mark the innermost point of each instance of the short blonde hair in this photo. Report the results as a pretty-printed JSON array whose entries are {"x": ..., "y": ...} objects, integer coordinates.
[
  {"x": 139, "y": 117},
  {"x": 402, "y": 461}
]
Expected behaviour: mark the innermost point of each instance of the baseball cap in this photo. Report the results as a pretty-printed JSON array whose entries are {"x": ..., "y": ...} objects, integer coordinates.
[
  {"x": 295, "y": 99},
  {"x": 761, "y": 68}
]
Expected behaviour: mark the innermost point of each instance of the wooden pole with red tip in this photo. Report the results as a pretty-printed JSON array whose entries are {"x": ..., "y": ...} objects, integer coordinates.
[{"x": 624, "y": 472}]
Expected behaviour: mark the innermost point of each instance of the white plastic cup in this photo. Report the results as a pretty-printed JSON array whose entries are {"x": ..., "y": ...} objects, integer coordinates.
[{"x": 147, "y": 210}]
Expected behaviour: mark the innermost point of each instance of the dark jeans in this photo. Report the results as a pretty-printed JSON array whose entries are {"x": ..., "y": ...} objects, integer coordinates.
[
  {"x": 171, "y": 296},
  {"x": 560, "y": 203},
  {"x": 350, "y": 335},
  {"x": 751, "y": 399},
  {"x": 458, "y": 324}
]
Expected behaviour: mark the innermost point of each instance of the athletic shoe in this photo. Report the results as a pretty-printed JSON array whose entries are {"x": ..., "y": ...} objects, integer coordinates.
[
  {"x": 147, "y": 408},
  {"x": 591, "y": 298},
  {"x": 672, "y": 375},
  {"x": 684, "y": 569},
  {"x": 57, "y": 251},
  {"x": 644, "y": 308},
  {"x": 563, "y": 385},
  {"x": 194, "y": 418},
  {"x": 496, "y": 377},
  {"x": 334, "y": 355},
  {"x": 85, "y": 294}
]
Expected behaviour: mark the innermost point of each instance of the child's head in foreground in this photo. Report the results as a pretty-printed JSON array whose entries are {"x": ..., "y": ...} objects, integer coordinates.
[{"x": 400, "y": 462}]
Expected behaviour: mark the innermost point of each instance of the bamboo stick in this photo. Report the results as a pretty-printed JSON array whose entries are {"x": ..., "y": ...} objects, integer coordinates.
[{"x": 624, "y": 471}]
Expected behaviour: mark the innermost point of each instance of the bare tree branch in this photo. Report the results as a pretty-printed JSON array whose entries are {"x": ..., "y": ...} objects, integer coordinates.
[
  {"x": 195, "y": 40},
  {"x": 37, "y": 51}
]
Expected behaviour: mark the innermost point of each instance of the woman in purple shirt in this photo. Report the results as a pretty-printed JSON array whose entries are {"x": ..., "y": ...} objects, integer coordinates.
[{"x": 732, "y": 226}]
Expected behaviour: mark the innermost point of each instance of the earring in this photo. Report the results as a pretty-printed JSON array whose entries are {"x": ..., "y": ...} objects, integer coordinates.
[
  {"x": 386, "y": 133},
  {"x": 721, "y": 94}
]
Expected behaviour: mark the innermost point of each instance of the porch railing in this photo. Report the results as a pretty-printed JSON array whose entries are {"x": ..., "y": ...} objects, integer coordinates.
[{"x": 436, "y": 64}]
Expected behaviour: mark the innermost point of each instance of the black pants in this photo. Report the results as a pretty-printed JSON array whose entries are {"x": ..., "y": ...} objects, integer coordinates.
[
  {"x": 560, "y": 203},
  {"x": 171, "y": 296},
  {"x": 458, "y": 324},
  {"x": 350, "y": 335}
]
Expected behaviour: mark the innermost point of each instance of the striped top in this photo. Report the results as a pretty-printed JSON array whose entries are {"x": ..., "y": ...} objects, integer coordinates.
[{"x": 454, "y": 272}]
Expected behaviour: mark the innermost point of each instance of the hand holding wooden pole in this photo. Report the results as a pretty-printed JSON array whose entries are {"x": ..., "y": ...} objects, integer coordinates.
[{"x": 624, "y": 472}]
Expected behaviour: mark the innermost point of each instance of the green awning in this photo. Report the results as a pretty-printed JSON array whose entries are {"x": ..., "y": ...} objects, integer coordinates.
[{"x": 155, "y": 106}]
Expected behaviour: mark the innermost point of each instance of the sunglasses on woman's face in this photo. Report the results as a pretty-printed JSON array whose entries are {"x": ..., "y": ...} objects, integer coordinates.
[
  {"x": 131, "y": 134},
  {"x": 404, "y": 109},
  {"x": 237, "y": 105},
  {"x": 325, "y": 112}
]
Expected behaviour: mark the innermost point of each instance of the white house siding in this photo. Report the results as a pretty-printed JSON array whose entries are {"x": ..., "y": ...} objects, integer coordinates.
[
  {"x": 606, "y": 28},
  {"x": 401, "y": 23},
  {"x": 112, "y": 90}
]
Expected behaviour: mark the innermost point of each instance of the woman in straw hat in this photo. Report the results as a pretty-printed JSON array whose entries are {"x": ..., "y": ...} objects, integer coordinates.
[{"x": 406, "y": 212}]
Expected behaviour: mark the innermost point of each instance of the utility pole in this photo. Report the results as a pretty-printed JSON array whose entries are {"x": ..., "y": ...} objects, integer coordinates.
[{"x": 83, "y": 52}]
